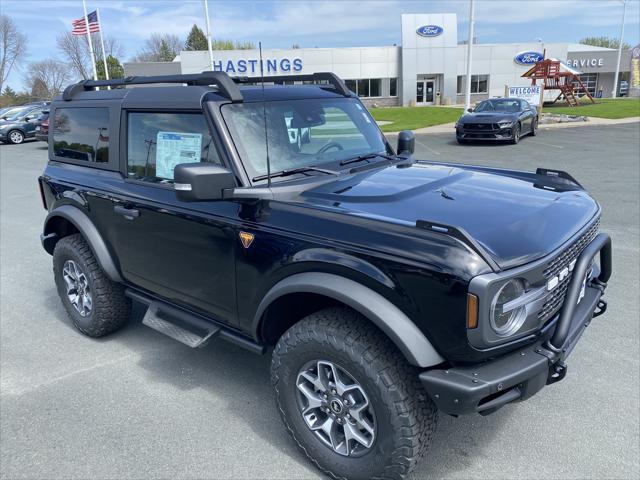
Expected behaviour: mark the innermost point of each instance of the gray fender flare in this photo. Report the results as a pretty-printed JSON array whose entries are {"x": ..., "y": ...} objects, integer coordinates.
[
  {"x": 90, "y": 233},
  {"x": 389, "y": 318}
]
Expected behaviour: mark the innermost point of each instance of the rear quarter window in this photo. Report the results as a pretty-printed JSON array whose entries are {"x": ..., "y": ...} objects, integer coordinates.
[{"x": 81, "y": 134}]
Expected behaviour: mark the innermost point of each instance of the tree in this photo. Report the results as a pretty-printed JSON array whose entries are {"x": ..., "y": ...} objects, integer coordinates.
[
  {"x": 115, "y": 69},
  {"x": 75, "y": 50},
  {"x": 13, "y": 46},
  {"x": 606, "y": 42},
  {"x": 196, "y": 40},
  {"x": 9, "y": 92},
  {"x": 46, "y": 78},
  {"x": 160, "y": 48}
]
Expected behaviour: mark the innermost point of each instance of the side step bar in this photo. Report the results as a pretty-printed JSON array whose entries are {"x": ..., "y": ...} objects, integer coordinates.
[
  {"x": 175, "y": 324},
  {"x": 186, "y": 327}
]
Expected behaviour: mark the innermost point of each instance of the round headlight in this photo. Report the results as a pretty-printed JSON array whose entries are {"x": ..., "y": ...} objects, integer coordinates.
[{"x": 506, "y": 323}]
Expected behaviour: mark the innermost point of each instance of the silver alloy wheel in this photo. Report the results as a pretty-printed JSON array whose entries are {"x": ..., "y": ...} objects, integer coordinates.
[
  {"x": 78, "y": 291},
  {"x": 336, "y": 408},
  {"x": 16, "y": 137}
]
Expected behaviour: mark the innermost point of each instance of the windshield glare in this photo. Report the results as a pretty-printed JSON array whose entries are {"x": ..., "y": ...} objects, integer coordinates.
[
  {"x": 301, "y": 133},
  {"x": 503, "y": 106}
]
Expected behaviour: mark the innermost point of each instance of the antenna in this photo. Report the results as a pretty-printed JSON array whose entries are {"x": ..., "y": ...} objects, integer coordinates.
[{"x": 264, "y": 115}]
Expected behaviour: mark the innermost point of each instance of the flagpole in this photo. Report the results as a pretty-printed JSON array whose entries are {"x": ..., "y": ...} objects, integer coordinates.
[
  {"x": 93, "y": 58},
  {"x": 104, "y": 52},
  {"x": 206, "y": 14}
]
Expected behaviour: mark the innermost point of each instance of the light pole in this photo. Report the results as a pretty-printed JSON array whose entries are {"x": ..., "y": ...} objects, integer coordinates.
[
  {"x": 614, "y": 92},
  {"x": 206, "y": 14},
  {"x": 541, "y": 42},
  {"x": 467, "y": 95}
]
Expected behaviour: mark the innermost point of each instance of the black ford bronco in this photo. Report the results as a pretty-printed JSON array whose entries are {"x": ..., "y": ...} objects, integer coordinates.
[{"x": 279, "y": 218}]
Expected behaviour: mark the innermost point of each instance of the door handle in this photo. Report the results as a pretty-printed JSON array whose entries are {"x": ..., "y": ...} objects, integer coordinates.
[{"x": 128, "y": 213}]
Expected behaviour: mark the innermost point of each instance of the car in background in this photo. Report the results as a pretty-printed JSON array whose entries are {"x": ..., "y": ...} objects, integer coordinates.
[
  {"x": 42, "y": 127},
  {"x": 498, "y": 119},
  {"x": 16, "y": 127},
  {"x": 7, "y": 112}
]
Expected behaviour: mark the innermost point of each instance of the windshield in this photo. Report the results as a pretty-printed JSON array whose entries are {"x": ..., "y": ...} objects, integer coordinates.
[
  {"x": 301, "y": 133},
  {"x": 15, "y": 114},
  {"x": 502, "y": 105}
]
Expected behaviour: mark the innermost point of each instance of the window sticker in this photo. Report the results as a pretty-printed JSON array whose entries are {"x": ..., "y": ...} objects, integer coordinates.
[{"x": 174, "y": 148}]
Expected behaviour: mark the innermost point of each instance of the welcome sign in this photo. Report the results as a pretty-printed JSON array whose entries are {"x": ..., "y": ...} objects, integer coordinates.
[{"x": 532, "y": 94}]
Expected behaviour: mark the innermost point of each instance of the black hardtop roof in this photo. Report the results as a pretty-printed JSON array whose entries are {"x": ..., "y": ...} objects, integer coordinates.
[
  {"x": 192, "y": 96},
  {"x": 217, "y": 86}
]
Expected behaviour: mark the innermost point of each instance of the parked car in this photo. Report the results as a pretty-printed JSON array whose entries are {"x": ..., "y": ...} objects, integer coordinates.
[
  {"x": 11, "y": 111},
  {"x": 498, "y": 119},
  {"x": 386, "y": 287},
  {"x": 20, "y": 125},
  {"x": 42, "y": 127}
]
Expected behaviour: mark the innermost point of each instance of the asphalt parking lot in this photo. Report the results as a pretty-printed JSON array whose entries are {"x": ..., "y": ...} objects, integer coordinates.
[{"x": 140, "y": 405}]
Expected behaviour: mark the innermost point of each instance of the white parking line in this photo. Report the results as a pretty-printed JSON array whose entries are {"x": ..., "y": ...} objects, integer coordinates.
[
  {"x": 435, "y": 152},
  {"x": 547, "y": 144}
]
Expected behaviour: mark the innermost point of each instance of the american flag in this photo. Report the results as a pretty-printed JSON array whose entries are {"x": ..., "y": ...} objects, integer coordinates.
[{"x": 80, "y": 26}]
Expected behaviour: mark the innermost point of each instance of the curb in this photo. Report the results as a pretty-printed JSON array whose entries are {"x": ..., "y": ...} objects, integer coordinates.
[{"x": 592, "y": 122}]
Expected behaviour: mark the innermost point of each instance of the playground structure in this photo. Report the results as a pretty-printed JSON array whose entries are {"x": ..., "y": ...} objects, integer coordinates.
[{"x": 555, "y": 75}]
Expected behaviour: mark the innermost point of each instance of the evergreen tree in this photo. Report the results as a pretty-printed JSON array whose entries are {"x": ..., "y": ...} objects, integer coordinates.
[
  {"x": 165, "y": 52},
  {"x": 9, "y": 92},
  {"x": 115, "y": 69},
  {"x": 196, "y": 40}
]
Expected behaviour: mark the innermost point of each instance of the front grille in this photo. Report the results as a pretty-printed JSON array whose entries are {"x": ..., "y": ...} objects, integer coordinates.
[
  {"x": 481, "y": 126},
  {"x": 555, "y": 297}
]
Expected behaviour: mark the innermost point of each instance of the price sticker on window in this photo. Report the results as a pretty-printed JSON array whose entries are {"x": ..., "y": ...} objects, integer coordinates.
[{"x": 174, "y": 148}]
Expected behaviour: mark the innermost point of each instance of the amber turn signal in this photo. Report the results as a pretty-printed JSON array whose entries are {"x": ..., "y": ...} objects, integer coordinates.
[{"x": 472, "y": 311}]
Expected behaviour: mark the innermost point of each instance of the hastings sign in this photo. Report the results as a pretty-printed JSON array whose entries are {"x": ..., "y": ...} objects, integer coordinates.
[
  {"x": 528, "y": 58},
  {"x": 430, "y": 31}
]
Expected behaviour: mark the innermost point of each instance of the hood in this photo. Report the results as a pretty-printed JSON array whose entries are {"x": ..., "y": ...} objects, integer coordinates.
[
  {"x": 487, "y": 117},
  {"x": 515, "y": 219}
]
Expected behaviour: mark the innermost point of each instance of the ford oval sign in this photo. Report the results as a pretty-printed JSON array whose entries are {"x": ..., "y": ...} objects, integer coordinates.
[
  {"x": 528, "y": 58},
  {"x": 430, "y": 31}
]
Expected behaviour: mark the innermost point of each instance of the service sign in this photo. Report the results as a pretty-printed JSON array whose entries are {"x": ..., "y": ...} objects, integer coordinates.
[
  {"x": 532, "y": 94},
  {"x": 528, "y": 58},
  {"x": 430, "y": 30}
]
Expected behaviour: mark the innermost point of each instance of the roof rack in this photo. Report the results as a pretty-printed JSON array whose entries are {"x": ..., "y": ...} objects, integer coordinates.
[
  {"x": 329, "y": 77},
  {"x": 225, "y": 84}
]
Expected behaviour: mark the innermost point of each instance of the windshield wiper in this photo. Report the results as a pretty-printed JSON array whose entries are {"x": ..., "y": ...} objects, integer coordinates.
[
  {"x": 367, "y": 156},
  {"x": 286, "y": 173}
]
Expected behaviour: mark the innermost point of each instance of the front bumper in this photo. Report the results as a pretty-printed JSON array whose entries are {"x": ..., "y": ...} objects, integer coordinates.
[
  {"x": 519, "y": 375},
  {"x": 496, "y": 132}
]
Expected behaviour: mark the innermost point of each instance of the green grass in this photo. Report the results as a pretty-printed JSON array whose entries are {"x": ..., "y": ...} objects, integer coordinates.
[
  {"x": 603, "y": 108},
  {"x": 410, "y": 118}
]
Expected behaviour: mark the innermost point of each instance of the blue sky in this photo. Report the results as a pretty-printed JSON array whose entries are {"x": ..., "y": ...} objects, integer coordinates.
[{"x": 279, "y": 24}]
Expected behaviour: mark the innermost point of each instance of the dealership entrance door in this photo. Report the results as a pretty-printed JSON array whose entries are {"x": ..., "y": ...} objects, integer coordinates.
[{"x": 425, "y": 92}]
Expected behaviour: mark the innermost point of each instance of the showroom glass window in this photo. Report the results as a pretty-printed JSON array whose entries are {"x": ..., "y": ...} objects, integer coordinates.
[
  {"x": 393, "y": 87},
  {"x": 479, "y": 84},
  {"x": 157, "y": 142},
  {"x": 81, "y": 134}
]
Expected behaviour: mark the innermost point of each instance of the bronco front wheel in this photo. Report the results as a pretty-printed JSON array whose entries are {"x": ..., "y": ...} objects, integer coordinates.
[{"x": 349, "y": 398}]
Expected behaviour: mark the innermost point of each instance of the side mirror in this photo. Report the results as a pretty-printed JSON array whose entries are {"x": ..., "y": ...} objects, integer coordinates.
[
  {"x": 197, "y": 182},
  {"x": 470, "y": 110},
  {"x": 406, "y": 143}
]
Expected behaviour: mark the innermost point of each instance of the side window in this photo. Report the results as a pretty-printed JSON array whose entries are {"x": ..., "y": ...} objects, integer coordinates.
[
  {"x": 81, "y": 134},
  {"x": 157, "y": 142}
]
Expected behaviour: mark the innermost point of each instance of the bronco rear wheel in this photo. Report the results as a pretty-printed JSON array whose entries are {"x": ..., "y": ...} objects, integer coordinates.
[
  {"x": 349, "y": 398},
  {"x": 96, "y": 305}
]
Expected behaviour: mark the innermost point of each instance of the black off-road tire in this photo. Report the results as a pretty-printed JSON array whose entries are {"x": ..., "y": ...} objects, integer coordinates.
[
  {"x": 111, "y": 309},
  {"x": 461, "y": 141},
  {"x": 405, "y": 416}
]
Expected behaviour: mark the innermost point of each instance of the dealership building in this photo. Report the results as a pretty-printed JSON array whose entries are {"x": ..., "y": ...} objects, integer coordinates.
[{"x": 428, "y": 68}]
